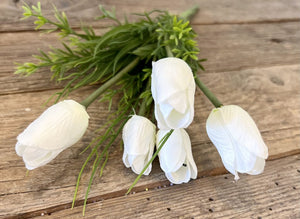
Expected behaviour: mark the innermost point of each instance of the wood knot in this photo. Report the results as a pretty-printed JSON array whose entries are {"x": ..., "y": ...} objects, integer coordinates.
[
  {"x": 275, "y": 40},
  {"x": 276, "y": 80}
]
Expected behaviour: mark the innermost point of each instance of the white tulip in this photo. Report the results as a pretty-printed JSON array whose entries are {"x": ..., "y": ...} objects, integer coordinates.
[
  {"x": 173, "y": 90},
  {"x": 139, "y": 141},
  {"x": 59, "y": 127},
  {"x": 237, "y": 139},
  {"x": 176, "y": 158}
]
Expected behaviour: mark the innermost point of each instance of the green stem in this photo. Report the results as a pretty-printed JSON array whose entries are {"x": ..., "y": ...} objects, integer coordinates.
[
  {"x": 188, "y": 14},
  {"x": 168, "y": 49},
  {"x": 169, "y": 52},
  {"x": 213, "y": 99},
  {"x": 109, "y": 83},
  {"x": 143, "y": 108}
]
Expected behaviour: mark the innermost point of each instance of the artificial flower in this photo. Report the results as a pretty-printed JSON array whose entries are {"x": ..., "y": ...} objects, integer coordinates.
[
  {"x": 237, "y": 139},
  {"x": 59, "y": 127},
  {"x": 173, "y": 91},
  {"x": 175, "y": 157},
  {"x": 139, "y": 141}
]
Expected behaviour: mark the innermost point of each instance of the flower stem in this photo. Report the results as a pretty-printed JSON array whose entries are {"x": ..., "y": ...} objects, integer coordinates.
[
  {"x": 109, "y": 83},
  {"x": 143, "y": 107},
  {"x": 168, "y": 49},
  {"x": 213, "y": 99},
  {"x": 169, "y": 52},
  {"x": 188, "y": 14}
]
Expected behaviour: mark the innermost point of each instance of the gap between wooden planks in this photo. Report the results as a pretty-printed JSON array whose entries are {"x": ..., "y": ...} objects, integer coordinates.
[
  {"x": 210, "y": 12},
  {"x": 275, "y": 193},
  {"x": 226, "y": 47},
  {"x": 54, "y": 183}
]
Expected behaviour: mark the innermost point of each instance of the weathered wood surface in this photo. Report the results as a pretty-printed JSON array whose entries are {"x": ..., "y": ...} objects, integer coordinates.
[
  {"x": 274, "y": 193},
  {"x": 226, "y": 47},
  {"x": 54, "y": 183},
  {"x": 211, "y": 11},
  {"x": 253, "y": 56}
]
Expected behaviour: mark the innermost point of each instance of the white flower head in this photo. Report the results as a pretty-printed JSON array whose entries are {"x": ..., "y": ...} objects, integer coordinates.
[
  {"x": 56, "y": 129},
  {"x": 173, "y": 90},
  {"x": 237, "y": 139},
  {"x": 139, "y": 141},
  {"x": 175, "y": 157}
]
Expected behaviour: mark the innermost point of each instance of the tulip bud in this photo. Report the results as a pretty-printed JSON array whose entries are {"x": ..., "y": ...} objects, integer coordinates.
[
  {"x": 237, "y": 139},
  {"x": 59, "y": 127},
  {"x": 175, "y": 157},
  {"x": 173, "y": 90},
  {"x": 139, "y": 141}
]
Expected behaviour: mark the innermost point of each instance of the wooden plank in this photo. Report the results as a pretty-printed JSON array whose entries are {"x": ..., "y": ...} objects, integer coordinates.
[
  {"x": 211, "y": 11},
  {"x": 268, "y": 36},
  {"x": 227, "y": 48},
  {"x": 54, "y": 183},
  {"x": 236, "y": 47},
  {"x": 273, "y": 194}
]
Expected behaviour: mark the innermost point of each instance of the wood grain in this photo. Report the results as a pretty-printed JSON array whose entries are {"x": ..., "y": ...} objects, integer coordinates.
[
  {"x": 262, "y": 92},
  {"x": 211, "y": 11},
  {"x": 253, "y": 54},
  {"x": 275, "y": 192},
  {"x": 227, "y": 48}
]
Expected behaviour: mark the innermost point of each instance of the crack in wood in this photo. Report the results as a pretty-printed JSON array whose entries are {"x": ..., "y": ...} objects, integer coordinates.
[{"x": 33, "y": 191}]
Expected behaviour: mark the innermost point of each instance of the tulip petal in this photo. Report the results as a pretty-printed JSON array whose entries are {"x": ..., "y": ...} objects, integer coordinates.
[
  {"x": 138, "y": 165},
  {"x": 218, "y": 135},
  {"x": 243, "y": 128},
  {"x": 172, "y": 119},
  {"x": 172, "y": 155},
  {"x": 189, "y": 159},
  {"x": 138, "y": 135},
  {"x": 245, "y": 160},
  {"x": 130, "y": 159},
  {"x": 178, "y": 101},
  {"x": 150, "y": 154},
  {"x": 182, "y": 175},
  {"x": 125, "y": 160},
  {"x": 236, "y": 138},
  {"x": 161, "y": 123},
  {"x": 139, "y": 141},
  {"x": 258, "y": 167},
  {"x": 172, "y": 116},
  {"x": 165, "y": 109},
  {"x": 59, "y": 127},
  {"x": 176, "y": 158},
  {"x": 20, "y": 148},
  {"x": 170, "y": 75},
  {"x": 36, "y": 157},
  {"x": 173, "y": 89}
]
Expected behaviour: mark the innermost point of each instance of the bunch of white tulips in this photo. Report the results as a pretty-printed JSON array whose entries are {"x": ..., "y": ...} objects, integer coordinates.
[{"x": 230, "y": 128}]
